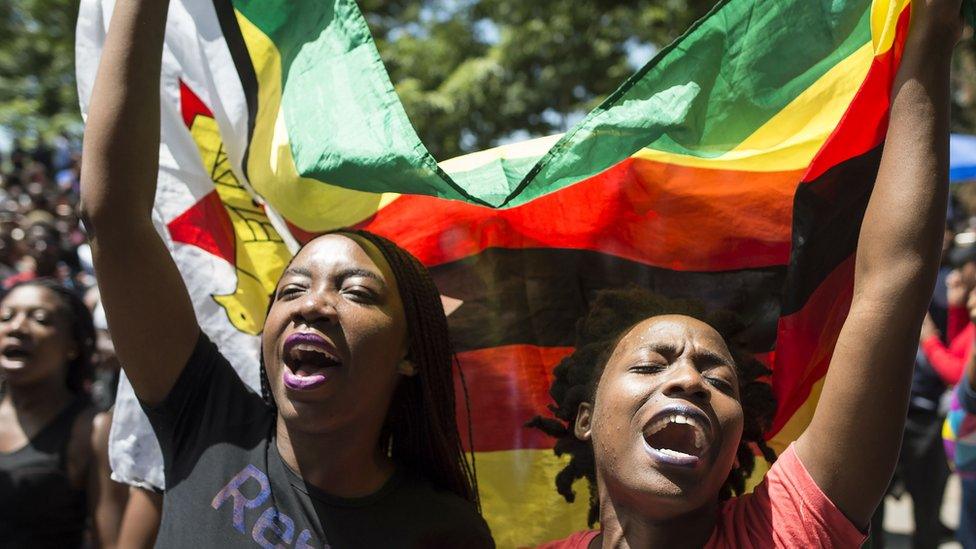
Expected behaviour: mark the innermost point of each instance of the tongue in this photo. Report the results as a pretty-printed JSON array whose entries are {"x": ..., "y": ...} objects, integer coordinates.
[{"x": 676, "y": 437}]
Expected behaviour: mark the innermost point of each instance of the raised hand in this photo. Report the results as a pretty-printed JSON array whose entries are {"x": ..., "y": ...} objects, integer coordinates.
[
  {"x": 957, "y": 290},
  {"x": 944, "y": 17}
]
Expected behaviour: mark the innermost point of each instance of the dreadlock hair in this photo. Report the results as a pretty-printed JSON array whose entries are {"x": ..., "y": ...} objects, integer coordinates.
[
  {"x": 421, "y": 428},
  {"x": 80, "y": 368},
  {"x": 612, "y": 315}
]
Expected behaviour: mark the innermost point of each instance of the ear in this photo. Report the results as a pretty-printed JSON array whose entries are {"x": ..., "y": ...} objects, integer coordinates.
[
  {"x": 583, "y": 425},
  {"x": 407, "y": 368}
]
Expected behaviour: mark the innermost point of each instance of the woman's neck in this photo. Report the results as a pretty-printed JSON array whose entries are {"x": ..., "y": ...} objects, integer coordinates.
[
  {"x": 348, "y": 463},
  {"x": 37, "y": 400},
  {"x": 624, "y": 528}
]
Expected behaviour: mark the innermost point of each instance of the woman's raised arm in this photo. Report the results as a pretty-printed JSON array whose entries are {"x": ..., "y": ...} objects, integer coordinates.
[
  {"x": 851, "y": 445},
  {"x": 146, "y": 302}
]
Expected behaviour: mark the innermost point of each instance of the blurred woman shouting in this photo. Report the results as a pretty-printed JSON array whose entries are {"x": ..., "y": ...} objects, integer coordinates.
[{"x": 47, "y": 481}]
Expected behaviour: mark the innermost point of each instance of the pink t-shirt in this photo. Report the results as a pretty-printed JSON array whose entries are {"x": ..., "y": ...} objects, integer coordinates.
[{"x": 787, "y": 509}]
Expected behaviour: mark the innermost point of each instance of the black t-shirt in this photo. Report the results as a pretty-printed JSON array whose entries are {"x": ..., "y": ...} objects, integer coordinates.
[{"x": 227, "y": 486}]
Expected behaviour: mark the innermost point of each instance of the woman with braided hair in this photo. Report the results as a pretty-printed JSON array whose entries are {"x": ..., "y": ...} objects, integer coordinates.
[
  {"x": 662, "y": 415},
  {"x": 354, "y": 440}
]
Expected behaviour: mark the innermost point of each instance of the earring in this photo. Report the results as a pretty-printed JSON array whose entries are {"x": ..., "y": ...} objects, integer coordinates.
[{"x": 407, "y": 368}]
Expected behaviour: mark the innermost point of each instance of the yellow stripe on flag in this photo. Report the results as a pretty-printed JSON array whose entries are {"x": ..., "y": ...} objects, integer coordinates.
[
  {"x": 884, "y": 23},
  {"x": 519, "y": 498},
  {"x": 798, "y": 421}
]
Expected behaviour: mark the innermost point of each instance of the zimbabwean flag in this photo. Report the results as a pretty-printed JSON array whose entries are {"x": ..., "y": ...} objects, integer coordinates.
[{"x": 734, "y": 167}]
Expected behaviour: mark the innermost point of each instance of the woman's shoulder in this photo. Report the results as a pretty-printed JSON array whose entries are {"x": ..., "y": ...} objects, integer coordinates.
[
  {"x": 414, "y": 488},
  {"x": 432, "y": 505}
]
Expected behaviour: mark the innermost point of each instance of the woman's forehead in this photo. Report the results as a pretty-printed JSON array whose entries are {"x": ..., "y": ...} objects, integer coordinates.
[
  {"x": 672, "y": 330},
  {"x": 339, "y": 252},
  {"x": 30, "y": 295}
]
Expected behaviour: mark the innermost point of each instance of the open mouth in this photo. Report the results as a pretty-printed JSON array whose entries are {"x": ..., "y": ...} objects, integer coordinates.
[
  {"x": 677, "y": 438},
  {"x": 308, "y": 359},
  {"x": 15, "y": 352}
]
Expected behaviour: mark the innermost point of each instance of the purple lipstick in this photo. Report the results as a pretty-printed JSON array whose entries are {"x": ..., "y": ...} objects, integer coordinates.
[
  {"x": 298, "y": 382},
  {"x": 308, "y": 358}
]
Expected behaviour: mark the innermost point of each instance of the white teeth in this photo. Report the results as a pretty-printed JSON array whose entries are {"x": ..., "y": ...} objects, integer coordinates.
[
  {"x": 310, "y": 348},
  {"x": 679, "y": 419}
]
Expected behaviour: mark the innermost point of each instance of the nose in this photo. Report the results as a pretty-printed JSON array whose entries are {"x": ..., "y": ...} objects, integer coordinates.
[
  {"x": 685, "y": 381},
  {"x": 317, "y": 306}
]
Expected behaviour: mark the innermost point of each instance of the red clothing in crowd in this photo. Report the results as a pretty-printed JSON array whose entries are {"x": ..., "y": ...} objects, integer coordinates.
[
  {"x": 787, "y": 509},
  {"x": 950, "y": 361}
]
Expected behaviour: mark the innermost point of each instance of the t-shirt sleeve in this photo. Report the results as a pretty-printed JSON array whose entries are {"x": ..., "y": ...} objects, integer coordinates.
[
  {"x": 208, "y": 401},
  {"x": 579, "y": 540},
  {"x": 787, "y": 509}
]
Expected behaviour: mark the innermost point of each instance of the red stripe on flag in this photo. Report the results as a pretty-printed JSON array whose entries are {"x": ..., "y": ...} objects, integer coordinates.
[
  {"x": 507, "y": 386},
  {"x": 674, "y": 217},
  {"x": 868, "y": 110},
  {"x": 805, "y": 342}
]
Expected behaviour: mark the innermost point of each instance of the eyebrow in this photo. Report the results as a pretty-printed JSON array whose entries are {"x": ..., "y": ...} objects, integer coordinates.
[
  {"x": 365, "y": 273},
  {"x": 342, "y": 275},
  {"x": 709, "y": 358},
  {"x": 299, "y": 271}
]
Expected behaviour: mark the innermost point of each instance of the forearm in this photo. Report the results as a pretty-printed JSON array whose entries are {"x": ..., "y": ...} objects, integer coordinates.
[
  {"x": 146, "y": 302},
  {"x": 898, "y": 250},
  {"x": 948, "y": 366},
  {"x": 867, "y": 384},
  {"x": 121, "y": 145},
  {"x": 957, "y": 318}
]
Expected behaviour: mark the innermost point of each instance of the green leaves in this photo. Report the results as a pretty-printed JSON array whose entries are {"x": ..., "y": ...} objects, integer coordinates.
[
  {"x": 474, "y": 74},
  {"x": 37, "y": 85}
]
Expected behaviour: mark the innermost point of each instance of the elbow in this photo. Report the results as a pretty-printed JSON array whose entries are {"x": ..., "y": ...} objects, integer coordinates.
[
  {"x": 91, "y": 210},
  {"x": 906, "y": 282}
]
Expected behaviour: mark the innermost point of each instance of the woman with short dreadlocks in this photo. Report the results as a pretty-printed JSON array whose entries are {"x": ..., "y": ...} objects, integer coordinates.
[
  {"x": 662, "y": 415},
  {"x": 354, "y": 441}
]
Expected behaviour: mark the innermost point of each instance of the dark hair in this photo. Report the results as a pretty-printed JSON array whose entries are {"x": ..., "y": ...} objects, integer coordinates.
[
  {"x": 612, "y": 315},
  {"x": 82, "y": 330},
  {"x": 421, "y": 428}
]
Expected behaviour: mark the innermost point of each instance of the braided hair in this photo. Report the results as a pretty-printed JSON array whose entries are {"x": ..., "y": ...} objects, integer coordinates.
[
  {"x": 421, "y": 428},
  {"x": 79, "y": 369},
  {"x": 612, "y": 315}
]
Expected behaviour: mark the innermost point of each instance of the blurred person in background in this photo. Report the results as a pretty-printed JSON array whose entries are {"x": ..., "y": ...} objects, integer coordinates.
[
  {"x": 140, "y": 524},
  {"x": 48, "y": 481},
  {"x": 129, "y": 515},
  {"x": 960, "y": 439},
  {"x": 922, "y": 470}
]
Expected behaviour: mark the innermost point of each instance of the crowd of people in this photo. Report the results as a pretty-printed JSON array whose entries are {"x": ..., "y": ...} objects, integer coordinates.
[
  {"x": 353, "y": 440},
  {"x": 56, "y": 488}
]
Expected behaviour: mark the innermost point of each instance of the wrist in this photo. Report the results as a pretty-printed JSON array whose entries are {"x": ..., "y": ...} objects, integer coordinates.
[{"x": 935, "y": 39}]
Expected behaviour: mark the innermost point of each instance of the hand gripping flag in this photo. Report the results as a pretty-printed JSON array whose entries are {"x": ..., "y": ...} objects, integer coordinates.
[{"x": 734, "y": 168}]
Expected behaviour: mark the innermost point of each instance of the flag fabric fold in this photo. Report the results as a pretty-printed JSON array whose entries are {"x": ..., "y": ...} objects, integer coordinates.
[{"x": 733, "y": 168}]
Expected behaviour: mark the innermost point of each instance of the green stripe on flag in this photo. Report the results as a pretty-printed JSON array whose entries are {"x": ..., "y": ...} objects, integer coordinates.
[{"x": 726, "y": 77}]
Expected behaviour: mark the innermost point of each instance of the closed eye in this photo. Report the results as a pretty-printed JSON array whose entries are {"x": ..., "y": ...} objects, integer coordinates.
[
  {"x": 721, "y": 384},
  {"x": 360, "y": 294},
  {"x": 648, "y": 368},
  {"x": 289, "y": 290}
]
